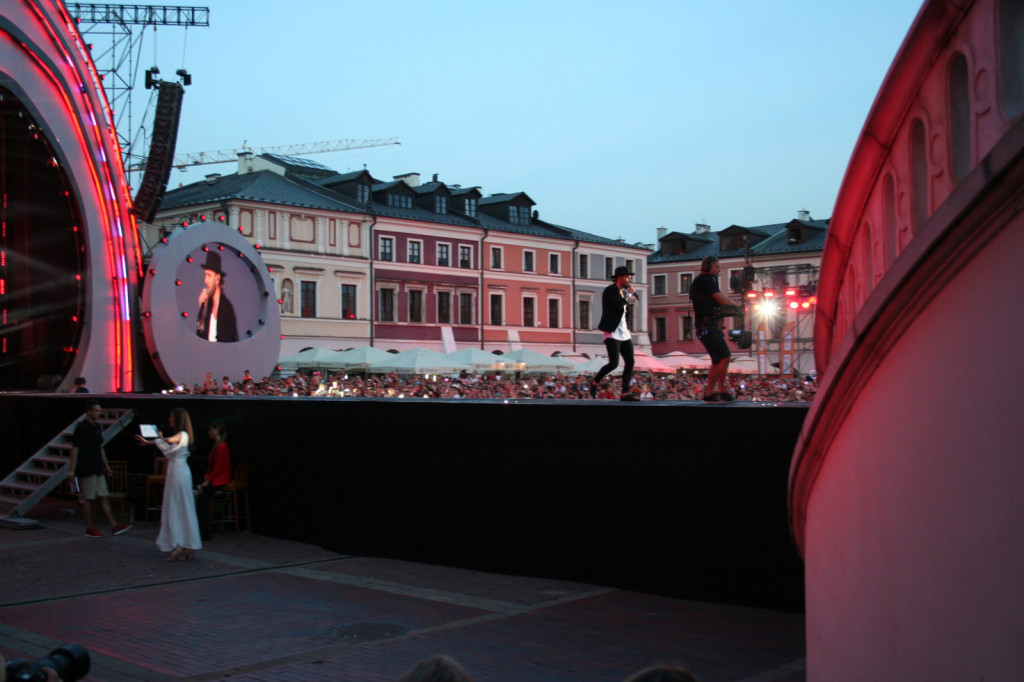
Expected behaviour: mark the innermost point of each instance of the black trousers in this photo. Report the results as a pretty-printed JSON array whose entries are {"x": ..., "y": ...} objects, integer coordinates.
[{"x": 615, "y": 349}]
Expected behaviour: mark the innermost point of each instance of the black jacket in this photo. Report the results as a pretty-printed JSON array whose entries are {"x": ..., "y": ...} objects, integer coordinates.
[{"x": 613, "y": 305}]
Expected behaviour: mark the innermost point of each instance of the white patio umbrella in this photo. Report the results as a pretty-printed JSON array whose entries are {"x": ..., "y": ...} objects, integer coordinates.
[
  {"x": 317, "y": 358},
  {"x": 418, "y": 361},
  {"x": 361, "y": 358},
  {"x": 743, "y": 365},
  {"x": 537, "y": 362},
  {"x": 594, "y": 365},
  {"x": 681, "y": 360},
  {"x": 479, "y": 360},
  {"x": 642, "y": 362}
]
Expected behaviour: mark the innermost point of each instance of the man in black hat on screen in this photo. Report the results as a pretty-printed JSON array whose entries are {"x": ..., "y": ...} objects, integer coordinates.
[
  {"x": 615, "y": 314},
  {"x": 216, "y": 319}
]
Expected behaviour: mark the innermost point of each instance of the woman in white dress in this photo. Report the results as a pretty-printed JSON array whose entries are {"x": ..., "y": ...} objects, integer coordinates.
[{"x": 179, "y": 526}]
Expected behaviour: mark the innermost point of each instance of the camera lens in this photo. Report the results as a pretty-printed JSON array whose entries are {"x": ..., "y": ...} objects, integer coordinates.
[{"x": 71, "y": 662}]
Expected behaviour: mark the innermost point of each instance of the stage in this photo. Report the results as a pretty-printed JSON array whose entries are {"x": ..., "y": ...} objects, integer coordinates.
[{"x": 675, "y": 498}]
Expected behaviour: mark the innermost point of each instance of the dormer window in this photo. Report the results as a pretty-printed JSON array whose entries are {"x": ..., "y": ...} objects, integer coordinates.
[
  {"x": 519, "y": 215},
  {"x": 441, "y": 204},
  {"x": 399, "y": 200},
  {"x": 732, "y": 242},
  {"x": 795, "y": 234},
  {"x": 363, "y": 193},
  {"x": 471, "y": 207}
]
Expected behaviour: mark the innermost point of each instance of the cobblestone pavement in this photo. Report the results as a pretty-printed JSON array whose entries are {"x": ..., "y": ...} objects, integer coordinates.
[{"x": 253, "y": 608}]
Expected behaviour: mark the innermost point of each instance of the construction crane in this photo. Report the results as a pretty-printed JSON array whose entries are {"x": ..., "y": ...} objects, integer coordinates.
[{"x": 181, "y": 161}]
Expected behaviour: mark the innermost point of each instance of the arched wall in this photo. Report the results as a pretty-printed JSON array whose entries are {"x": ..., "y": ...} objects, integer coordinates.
[
  {"x": 44, "y": 61},
  {"x": 905, "y": 486}
]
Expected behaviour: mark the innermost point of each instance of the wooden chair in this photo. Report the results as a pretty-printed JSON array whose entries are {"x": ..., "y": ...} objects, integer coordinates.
[
  {"x": 154, "y": 483},
  {"x": 117, "y": 486},
  {"x": 232, "y": 494}
]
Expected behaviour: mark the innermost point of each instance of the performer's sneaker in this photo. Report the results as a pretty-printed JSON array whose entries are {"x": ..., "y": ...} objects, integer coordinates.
[
  {"x": 726, "y": 397},
  {"x": 93, "y": 533},
  {"x": 629, "y": 398},
  {"x": 593, "y": 390},
  {"x": 712, "y": 398},
  {"x": 121, "y": 528}
]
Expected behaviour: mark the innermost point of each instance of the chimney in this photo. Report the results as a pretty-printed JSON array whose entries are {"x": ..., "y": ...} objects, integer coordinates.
[
  {"x": 803, "y": 214},
  {"x": 244, "y": 163},
  {"x": 662, "y": 231},
  {"x": 702, "y": 228},
  {"x": 411, "y": 179}
]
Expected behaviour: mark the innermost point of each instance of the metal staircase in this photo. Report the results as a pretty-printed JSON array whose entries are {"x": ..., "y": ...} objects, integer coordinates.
[{"x": 43, "y": 472}]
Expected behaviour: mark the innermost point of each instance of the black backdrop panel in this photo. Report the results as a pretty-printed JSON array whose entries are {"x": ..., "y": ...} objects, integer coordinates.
[{"x": 681, "y": 499}]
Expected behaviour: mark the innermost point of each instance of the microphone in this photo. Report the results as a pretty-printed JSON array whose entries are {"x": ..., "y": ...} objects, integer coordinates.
[{"x": 204, "y": 299}]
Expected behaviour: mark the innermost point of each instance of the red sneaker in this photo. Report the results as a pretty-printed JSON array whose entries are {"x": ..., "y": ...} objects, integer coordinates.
[
  {"x": 121, "y": 528},
  {"x": 93, "y": 533}
]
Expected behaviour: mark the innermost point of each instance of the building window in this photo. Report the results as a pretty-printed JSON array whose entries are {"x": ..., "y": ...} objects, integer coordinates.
[
  {"x": 348, "y": 301},
  {"x": 496, "y": 258},
  {"x": 416, "y": 306},
  {"x": 444, "y": 255},
  {"x": 287, "y": 297},
  {"x": 584, "y": 266},
  {"x": 519, "y": 215},
  {"x": 471, "y": 208},
  {"x": 387, "y": 248},
  {"x": 465, "y": 257},
  {"x": 960, "y": 118},
  {"x": 497, "y": 312},
  {"x": 444, "y": 307},
  {"x": 387, "y": 305},
  {"x": 685, "y": 280},
  {"x": 441, "y": 204},
  {"x": 553, "y": 314},
  {"x": 687, "y": 328},
  {"x": 660, "y": 333},
  {"x": 363, "y": 193},
  {"x": 554, "y": 263},
  {"x": 528, "y": 311},
  {"x": 630, "y": 263},
  {"x": 400, "y": 200},
  {"x": 660, "y": 289},
  {"x": 415, "y": 251},
  {"x": 584, "y": 314},
  {"x": 307, "y": 300},
  {"x": 465, "y": 308},
  {"x": 609, "y": 267},
  {"x": 528, "y": 261}
]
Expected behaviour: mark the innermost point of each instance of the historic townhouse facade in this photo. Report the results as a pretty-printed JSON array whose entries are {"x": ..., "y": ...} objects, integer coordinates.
[
  {"x": 766, "y": 260},
  {"x": 403, "y": 264}
]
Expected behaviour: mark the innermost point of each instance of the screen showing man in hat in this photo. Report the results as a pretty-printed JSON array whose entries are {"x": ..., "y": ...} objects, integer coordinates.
[{"x": 216, "y": 319}]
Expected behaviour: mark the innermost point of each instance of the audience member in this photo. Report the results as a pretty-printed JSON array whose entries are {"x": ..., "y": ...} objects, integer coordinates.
[{"x": 683, "y": 387}]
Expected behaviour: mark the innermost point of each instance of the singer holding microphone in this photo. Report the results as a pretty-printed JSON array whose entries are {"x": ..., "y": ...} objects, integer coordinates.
[
  {"x": 217, "y": 320},
  {"x": 615, "y": 314}
]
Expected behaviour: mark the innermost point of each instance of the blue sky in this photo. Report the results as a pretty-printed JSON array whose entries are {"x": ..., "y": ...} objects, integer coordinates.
[{"x": 615, "y": 117}]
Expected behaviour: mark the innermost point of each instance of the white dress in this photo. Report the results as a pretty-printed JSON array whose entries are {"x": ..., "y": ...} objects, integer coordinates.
[{"x": 179, "y": 526}]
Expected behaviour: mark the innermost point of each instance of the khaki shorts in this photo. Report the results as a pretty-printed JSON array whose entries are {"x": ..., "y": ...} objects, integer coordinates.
[{"x": 93, "y": 486}]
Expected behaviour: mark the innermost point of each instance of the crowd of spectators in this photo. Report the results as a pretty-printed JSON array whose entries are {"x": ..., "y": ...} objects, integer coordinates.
[{"x": 502, "y": 386}]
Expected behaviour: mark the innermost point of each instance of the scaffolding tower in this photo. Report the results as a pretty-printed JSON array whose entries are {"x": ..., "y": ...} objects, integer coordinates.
[{"x": 118, "y": 32}]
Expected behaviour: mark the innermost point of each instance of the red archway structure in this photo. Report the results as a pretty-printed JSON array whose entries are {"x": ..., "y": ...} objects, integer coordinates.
[{"x": 69, "y": 254}]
